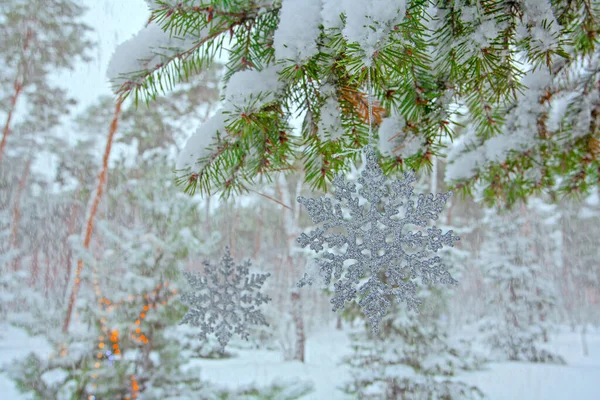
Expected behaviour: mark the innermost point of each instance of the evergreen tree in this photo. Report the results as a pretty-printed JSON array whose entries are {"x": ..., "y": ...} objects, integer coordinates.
[
  {"x": 585, "y": 253},
  {"x": 39, "y": 38},
  {"x": 521, "y": 294},
  {"x": 126, "y": 343},
  {"x": 506, "y": 64},
  {"x": 578, "y": 278}
]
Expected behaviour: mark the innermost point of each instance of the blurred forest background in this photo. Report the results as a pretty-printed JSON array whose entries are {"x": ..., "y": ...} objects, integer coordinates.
[{"x": 525, "y": 275}]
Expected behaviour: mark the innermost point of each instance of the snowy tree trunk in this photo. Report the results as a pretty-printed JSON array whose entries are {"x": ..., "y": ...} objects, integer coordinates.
[
  {"x": 69, "y": 256},
  {"x": 566, "y": 276},
  {"x": 47, "y": 277},
  {"x": 291, "y": 228},
  {"x": 297, "y": 313},
  {"x": 207, "y": 217},
  {"x": 258, "y": 232},
  {"x": 17, "y": 211},
  {"x": 35, "y": 268},
  {"x": 434, "y": 175},
  {"x": 449, "y": 214},
  {"x": 584, "y": 343},
  {"x": 18, "y": 87},
  {"x": 236, "y": 226}
]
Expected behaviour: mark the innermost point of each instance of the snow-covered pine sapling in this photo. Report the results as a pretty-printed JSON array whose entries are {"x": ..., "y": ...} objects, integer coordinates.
[
  {"x": 374, "y": 246},
  {"x": 225, "y": 300}
]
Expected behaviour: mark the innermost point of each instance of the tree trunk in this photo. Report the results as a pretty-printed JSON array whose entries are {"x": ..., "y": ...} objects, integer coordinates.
[
  {"x": 338, "y": 323},
  {"x": 291, "y": 227},
  {"x": 449, "y": 215},
  {"x": 208, "y": 221},
  {"x": 236, "y": 225},
  {"x": 93, "y": 211},
  {"x": 299, "y": 324},
  {"x": 566, "y": 276},
  {"x": 258, "y": 231},
  {"x": 47, "y": 278},
  {"x": 17, "y": 210},
  {"x": 18, "y": 87},
  {"x": 434, "y": 175},
  {"x": 70, "y": 231},
  {"x": 584, "y": 343},
  {"x": 35, "y": 269}
]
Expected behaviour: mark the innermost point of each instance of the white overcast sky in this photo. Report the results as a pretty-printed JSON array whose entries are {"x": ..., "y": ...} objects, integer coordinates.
[{"x": 113, "y": 21}]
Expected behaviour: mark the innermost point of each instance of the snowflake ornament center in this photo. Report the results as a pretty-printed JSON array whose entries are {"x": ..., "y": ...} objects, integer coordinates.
[{"x": 377, "y": 259}]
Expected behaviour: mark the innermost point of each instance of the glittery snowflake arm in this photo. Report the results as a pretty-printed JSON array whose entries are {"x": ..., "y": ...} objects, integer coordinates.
[
  {"x": 374, "y": 240},
  {"x": 225, "y": 300}
]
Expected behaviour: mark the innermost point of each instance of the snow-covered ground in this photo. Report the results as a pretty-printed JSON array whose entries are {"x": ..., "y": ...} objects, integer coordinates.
[{"x": 580, "y": 379}]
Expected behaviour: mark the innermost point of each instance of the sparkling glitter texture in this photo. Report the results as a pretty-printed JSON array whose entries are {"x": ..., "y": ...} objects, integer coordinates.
[
  {"x": 374, "y": 246},
  {"x": 225, "y": 300}
]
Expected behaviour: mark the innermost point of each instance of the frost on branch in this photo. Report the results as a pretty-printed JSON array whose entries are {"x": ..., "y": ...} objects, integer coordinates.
[
  {"x": 225, "y": 300},
  {"x": 379, "y": 260}
]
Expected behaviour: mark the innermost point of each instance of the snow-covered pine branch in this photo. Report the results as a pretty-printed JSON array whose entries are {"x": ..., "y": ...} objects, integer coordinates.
[{"x": 500, "y": 64}]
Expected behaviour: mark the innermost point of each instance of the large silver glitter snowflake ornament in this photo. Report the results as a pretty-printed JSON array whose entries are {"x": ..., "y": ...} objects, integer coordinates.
[
  {"x": 225, "y": 300},
  {"x": 364, "y": 236}
]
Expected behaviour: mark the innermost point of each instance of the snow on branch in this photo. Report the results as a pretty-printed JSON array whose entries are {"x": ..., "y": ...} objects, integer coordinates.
[
  {"x": 245, "y": 89},
  {"x": 368, "y": 23},
  {"x": 148, "y": 48},
  {"x": 519, "y": 133},
  {"x": 253, "y": 87},
  {"x": 330, "y": 121},
  {"x": 197, "y": 146},
  {"x": 396, "y": 141},
  {"x": 298, "y": 29}
]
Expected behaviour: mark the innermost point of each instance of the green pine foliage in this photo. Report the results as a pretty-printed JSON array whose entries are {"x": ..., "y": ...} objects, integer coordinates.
[{"x": 443, "y": 61}]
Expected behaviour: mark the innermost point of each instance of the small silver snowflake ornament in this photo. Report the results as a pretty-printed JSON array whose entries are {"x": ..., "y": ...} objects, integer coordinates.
[
  {"x": 380, "y": 261},
  {"x": 225, "y": 300}
]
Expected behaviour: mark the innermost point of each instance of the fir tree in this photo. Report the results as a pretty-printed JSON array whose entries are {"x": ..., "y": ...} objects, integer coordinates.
[
  {"x": 413, "y": 357},
  {"x": 521, "y": 294},
  {"x": 39, "y": 37},
  {"x": 125, "y": 342}
]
